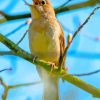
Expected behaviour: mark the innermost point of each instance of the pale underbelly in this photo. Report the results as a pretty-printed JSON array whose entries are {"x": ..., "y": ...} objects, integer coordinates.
[{"x": 45, "y": 47}]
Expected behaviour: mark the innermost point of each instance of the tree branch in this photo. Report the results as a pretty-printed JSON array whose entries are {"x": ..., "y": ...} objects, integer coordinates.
[
  {"x": 4, "y": 96},
  {"x": 2, "y": 53},
  {"x": 58, "y": 10},
  {"x": 70, "y": 78},
  {"x": 83, "y": 85},
  {"x": 8, "y": 87},
  {"x": 88, "y": 3}
]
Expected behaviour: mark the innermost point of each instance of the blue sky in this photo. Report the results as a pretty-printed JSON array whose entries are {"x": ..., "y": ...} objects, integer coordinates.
[{"x": 83, "y": 56}]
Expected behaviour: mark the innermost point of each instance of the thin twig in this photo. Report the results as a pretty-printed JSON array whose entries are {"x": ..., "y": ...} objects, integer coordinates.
[
  {"x": 22, "y": 38},
  {"x": 65, "y": 3},
  {"x": 87, "y": 74},
  {"x": 5, "y": 69},
  {"x": 2, "y": 82},
  {"x": 17, "y": 29},
  {"x": 4, "y": 96},
  {"x": 85, "y": 22},
  {"x": 26, "y": 3},
  {"x": 7, "y": 88},
  {"x": 25, "y": 84},
  {"x": 77, "y": 31}
]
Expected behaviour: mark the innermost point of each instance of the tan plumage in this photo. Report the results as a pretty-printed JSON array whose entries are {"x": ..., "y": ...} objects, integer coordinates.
[{"x": 47, "y": 42}]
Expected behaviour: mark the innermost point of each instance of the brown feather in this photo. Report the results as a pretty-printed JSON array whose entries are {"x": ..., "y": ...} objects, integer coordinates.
[{"x": 62, "y": 48}]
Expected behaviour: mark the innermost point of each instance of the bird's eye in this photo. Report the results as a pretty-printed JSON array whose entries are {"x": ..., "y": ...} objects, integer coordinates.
[{"x": 43, "y": 2}]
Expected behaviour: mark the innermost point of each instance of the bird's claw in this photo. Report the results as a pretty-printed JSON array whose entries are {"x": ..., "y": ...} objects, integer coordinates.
[
  {"x": 35, "y": 58},
  {"x": 53, "y": 66}
]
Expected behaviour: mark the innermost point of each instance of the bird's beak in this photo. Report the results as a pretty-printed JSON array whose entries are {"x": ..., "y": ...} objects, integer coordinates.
[{"x": 35, "y": 9}]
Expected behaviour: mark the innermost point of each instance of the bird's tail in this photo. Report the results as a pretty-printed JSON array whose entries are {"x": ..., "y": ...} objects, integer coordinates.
[{"x": 51, "y": 91}]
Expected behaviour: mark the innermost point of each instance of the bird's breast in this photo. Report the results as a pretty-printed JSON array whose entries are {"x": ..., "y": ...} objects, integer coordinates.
[{"x": 44, "y": 41}]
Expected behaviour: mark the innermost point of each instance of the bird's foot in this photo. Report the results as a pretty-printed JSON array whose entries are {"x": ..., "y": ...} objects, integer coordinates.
[
  {"x": 63, "y": 71},
  {"x": 35, "y": 58},
  {"x": 53, "y": 66}
]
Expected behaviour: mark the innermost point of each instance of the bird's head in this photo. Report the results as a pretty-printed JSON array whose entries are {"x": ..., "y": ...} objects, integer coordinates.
[{"x": 41, "y": 8}]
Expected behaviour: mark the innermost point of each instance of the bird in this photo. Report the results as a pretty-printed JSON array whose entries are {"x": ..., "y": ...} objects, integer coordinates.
[{"x": 47, "y": 42}]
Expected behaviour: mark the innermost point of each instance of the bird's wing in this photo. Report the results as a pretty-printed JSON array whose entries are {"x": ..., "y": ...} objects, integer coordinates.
[{"x": 62, "y": 46}]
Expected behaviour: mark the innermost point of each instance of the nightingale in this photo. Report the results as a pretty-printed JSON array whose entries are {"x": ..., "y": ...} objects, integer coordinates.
[{"x": 46, "y": 41}]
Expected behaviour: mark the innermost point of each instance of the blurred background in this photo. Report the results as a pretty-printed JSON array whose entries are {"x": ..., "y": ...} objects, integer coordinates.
[{"x": 83, "y": 55}]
